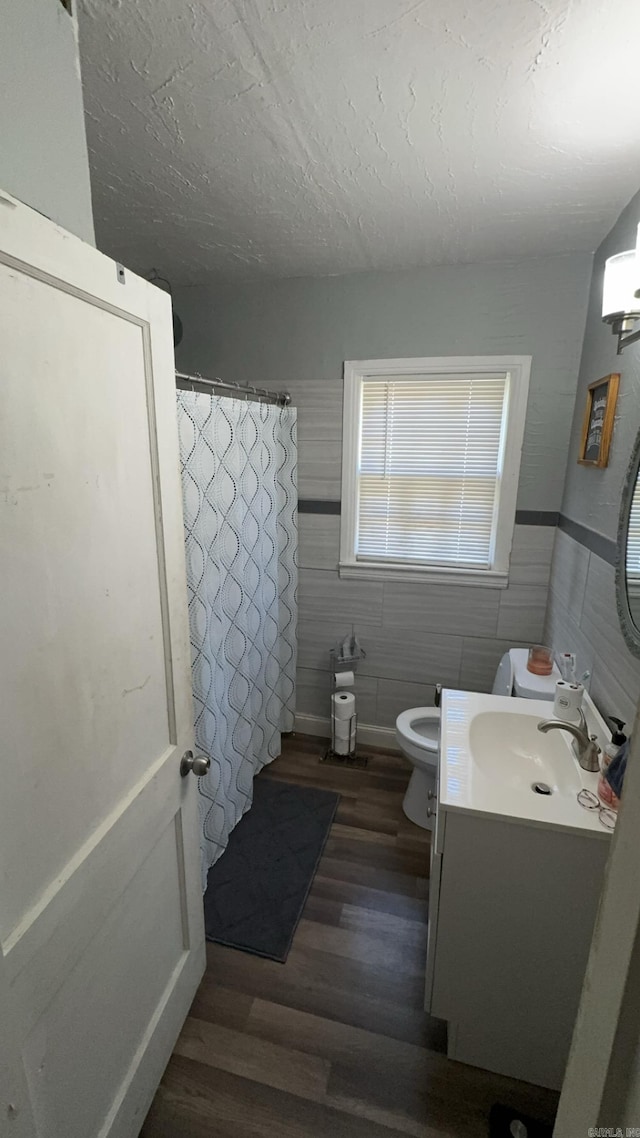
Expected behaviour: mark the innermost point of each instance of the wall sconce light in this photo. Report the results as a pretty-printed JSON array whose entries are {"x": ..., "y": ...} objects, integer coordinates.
[{"x": 621, "y": 295}]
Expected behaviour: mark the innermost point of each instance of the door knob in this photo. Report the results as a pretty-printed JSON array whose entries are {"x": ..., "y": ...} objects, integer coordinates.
[{"x": 198, "y": 766}]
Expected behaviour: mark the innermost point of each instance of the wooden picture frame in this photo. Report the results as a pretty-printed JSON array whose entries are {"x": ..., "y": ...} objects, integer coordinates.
[{"x": 597, "y": 427}]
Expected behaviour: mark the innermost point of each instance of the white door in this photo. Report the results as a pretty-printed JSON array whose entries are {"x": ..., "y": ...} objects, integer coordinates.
[{"x": 101, "y": 924}]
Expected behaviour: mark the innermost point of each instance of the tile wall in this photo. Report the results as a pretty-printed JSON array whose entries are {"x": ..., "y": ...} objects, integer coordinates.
[
  {"x": 296, "y": 334},
  {"x": 582, "y": 614},
  {"x": 414, "y": 636},
  {"x": 582, "y": 618}
]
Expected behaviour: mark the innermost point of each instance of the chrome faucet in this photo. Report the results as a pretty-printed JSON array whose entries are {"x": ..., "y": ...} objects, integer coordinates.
[{"x": 585, "y": 745}]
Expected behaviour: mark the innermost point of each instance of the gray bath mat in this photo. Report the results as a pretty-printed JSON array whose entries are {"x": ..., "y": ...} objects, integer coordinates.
[{"x": 257, "y": 890}]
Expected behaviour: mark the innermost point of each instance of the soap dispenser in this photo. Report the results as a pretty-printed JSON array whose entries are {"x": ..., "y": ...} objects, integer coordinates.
[{"x": 617, "y": 739}]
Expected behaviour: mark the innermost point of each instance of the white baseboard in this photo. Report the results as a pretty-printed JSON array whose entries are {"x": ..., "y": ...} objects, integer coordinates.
[{"x": 367, "y": 734}]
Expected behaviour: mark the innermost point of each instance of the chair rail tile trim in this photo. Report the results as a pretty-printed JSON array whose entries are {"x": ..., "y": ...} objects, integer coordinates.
[{"x": 602, "y": 546}]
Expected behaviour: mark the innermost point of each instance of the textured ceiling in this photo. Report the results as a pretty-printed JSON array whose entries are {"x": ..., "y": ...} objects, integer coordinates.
[{"x": 240, "y": 139}]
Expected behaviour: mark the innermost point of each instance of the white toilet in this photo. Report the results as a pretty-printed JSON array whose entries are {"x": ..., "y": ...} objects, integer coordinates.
[
  {"x": 418, "y": 737},
  {"x": 418, "y": 731}
]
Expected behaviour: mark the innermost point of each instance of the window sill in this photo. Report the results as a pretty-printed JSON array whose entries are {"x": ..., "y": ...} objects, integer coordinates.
[{"x": 481, "y": 578}]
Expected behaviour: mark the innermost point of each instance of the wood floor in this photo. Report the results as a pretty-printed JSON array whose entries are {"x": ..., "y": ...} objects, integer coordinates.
[{"x": 334, "y": 1043}]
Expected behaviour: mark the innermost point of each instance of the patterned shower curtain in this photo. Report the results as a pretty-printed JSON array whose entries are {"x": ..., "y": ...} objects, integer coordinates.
[{"x": 238, "y": 463}]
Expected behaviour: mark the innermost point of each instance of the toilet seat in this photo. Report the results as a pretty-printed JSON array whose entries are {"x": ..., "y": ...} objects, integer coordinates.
[{"x": 417, "y": 732}]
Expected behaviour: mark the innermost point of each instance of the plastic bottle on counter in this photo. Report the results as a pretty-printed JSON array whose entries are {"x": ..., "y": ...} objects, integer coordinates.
[
  {"x": 610, "y": 781},
  {"x": 617, "y": 739}
]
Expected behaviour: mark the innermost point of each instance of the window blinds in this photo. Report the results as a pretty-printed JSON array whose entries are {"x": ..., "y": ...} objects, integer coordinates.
[
  {"x": 633, "y": 552},
  {"x": 429, "y": 469}
]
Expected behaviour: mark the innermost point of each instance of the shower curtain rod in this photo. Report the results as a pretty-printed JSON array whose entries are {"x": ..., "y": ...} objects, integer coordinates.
[{"x": 280, "y": 398}]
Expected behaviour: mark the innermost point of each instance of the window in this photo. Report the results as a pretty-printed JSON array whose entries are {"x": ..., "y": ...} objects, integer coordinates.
[
  {"x": 431, "y": 458},
  {"x": 633, "y": 552}
]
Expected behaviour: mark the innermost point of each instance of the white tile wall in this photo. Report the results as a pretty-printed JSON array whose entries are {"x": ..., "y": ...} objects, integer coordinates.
[
  {"x": 569, "y": 568},
  {"x": 565, "y": 635},
  {"x": 313, "y": 694},
  {"x": 480, "y": 659},
  {"x": 582, "y": 618},
  {"x": 319, "y": 469},
  {"x": 319, "y": 406},
  {"x": 531, "y": 555},
  {"x": 316, "y": 637},
  {"x": 522, "y": 610},
  {"x": 452, "y": 609},
  {"x": 413, "y": 655},
  {"x": 394, "y": 697},
  {"x": 324, "y": 596},
  {"x": 415, "y": 635},
  {"x": 319, "y": 541}
]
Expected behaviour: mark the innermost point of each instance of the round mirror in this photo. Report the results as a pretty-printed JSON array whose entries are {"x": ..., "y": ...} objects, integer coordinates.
[{"x": 628, "y": 567}]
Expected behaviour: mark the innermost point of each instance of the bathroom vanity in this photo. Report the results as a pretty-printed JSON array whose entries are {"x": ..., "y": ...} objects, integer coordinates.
[{"x": 516, "y": 877}]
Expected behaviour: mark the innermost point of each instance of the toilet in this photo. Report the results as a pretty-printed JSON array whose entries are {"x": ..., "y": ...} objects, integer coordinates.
[
  {"x": 514, "y": 678},
  {"x": 418, "y": 731},
  {"x": 418, "y": 737}
]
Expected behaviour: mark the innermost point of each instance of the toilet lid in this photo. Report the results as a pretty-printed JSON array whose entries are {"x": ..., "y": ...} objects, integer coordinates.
[{"x": 421, "y": 726}]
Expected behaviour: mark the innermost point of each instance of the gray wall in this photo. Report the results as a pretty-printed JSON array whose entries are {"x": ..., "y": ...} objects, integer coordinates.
[
  {"x": 296, "y": 334},
  {"x": 43, "y": 146},
  {"x": 582, "y": 614}
]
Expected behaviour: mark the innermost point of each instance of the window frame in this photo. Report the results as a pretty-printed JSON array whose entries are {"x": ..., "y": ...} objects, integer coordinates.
[{"x": 517, "y": 370}]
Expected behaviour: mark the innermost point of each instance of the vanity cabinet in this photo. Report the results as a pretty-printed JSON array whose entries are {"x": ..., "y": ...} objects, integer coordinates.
[{"x": 511, "y": 916}]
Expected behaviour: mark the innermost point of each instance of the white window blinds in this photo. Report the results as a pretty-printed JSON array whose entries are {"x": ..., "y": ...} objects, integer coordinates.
[
  {"x": 633, "y": 551},
  {"x": 429, "y": 469}
]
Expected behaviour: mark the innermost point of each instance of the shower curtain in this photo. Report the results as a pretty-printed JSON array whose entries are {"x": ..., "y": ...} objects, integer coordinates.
[{"x": 238, "y": 462}]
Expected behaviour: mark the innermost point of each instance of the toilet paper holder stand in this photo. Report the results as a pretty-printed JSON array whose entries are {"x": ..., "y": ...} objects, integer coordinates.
[{"x": 337, "y": 664}]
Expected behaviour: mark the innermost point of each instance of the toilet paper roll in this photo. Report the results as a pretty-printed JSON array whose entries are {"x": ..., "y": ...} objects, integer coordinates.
[
  {"x": 568, "y": 700},
  {"x": 343, "y": 704},
  {"x": 341, "y": 746},
  {"x": 343, "y": 679},
  {"x": 341, "y": 728}
]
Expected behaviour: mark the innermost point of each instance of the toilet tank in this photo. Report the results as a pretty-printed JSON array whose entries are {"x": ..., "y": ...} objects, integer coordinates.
[
  {"x": 513, "y": 677},
  {"x": 503, "y": 683}
]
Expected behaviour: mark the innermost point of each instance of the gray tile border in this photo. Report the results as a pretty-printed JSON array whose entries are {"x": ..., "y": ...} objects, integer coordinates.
[
  {"x": 536, "y": 518},
  {"x": 523, "y": 517},
  {"x": 318, "y": 506},
  {"x": 604, "y": 547},
  {"x": 405, "y": 655}
]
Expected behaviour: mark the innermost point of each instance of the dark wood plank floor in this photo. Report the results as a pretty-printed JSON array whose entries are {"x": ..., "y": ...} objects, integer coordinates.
[{"x": 335, "y": 1042}]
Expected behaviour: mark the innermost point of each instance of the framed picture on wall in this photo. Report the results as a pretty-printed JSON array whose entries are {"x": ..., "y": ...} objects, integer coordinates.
[{"x": 597, "y": 427}]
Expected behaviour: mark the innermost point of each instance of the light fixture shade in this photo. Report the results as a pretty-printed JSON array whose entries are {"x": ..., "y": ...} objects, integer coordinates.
[
  {"x": 621, "y": 280},
  {"x": 621, "y": 283}
]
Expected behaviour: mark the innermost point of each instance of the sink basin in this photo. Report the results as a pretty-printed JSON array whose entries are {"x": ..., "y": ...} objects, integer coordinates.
[
  {"x": 508, "y": 746},
  {"x": 492, "y": 754}
]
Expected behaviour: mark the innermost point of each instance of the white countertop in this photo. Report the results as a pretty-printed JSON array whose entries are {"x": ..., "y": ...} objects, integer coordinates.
[{"x": 466, "y": 785}]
